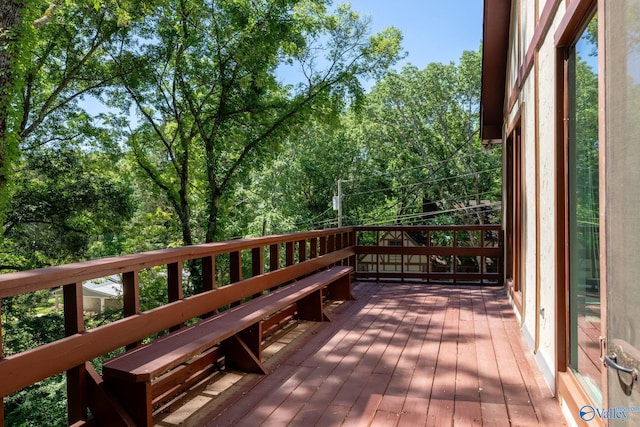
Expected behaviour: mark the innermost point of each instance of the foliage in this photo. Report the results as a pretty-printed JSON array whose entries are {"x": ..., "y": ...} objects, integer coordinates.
[
  {"x": 23, "y": 329},
  {"x": 419, "y": 129},
  {"x": 51, "y": 56},
  {"x": 409, "y": 154},
  {"x": 64, "y": 199},
  {"x": 26, "y": 408},
  {"x": 209, "y": 104}
]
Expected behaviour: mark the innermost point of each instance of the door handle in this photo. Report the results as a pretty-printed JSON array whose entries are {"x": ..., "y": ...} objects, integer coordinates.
[{"x": 610, "y": 360}]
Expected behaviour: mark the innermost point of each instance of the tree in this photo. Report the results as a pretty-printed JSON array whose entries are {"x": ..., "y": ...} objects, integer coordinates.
[
  {"x": 10, "y": 21},
  {"x": 52, "y": 54},
  {"x": 419, "y": 128},
  {"x": 64, "y": 200},
  {"x": 210, "y": 105}
]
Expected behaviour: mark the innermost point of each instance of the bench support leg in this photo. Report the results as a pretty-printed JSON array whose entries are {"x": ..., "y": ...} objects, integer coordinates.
[
  {"x": 341, "y": 289},
  {"x": 103, "y": 404},
  {"x": 135, "y": 397},
  {"x": 310, "y": 308},
  {"x": 240, "y": 356}
]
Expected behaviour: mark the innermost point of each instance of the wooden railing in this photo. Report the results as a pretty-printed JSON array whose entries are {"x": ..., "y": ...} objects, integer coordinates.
[
  {"x": 274, "y": 260},
  {"x": 469, "y": 254},
  {"x": 431, "y": 254}
]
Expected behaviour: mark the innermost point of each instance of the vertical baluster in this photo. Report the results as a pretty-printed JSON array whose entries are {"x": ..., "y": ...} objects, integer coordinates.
[
  {"x": 257, "y": 264},
  {"x": 208, "y": 273},
  {"x": 130, "y": 298},
  {"x": 290, "y": 254},
  {"x": 483, "y": 259},
  {"x": 274, "y": 259},
  {"x": 208, "y": 278},
  {"x": 313, "y": 246},
  {"x": 430, "y": 258},
  {"x": 331, "y": 243},
  {"x": 235, "y": 267},
  {"x": 500, "y": 259},
  {"x": 377, "y": 255},
  {"x": 174, "y": 284},
  {"x": 353, "y": 241},
  {"x": 77, "y": 376},
  {"x": 302, "y": 250},
  {"x": 403, "y": 239},
  {"x": 174, "y": 281},
  {"x": 235, "y": 270},
  {"x": 455, "y": 257},
  {"x": 323, "y": 245}
]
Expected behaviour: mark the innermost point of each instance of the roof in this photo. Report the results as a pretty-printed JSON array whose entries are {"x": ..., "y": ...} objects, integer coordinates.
[
  {"x": 108, "y": 287},
  {"x": 495, "y": 34}
]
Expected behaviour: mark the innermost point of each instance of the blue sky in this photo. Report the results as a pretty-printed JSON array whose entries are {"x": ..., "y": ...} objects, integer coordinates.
[{"x": 433, "y": 30}]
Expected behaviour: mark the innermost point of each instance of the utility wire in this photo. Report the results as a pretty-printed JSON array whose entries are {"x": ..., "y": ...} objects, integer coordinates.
[{"x": 423, "y": 182}]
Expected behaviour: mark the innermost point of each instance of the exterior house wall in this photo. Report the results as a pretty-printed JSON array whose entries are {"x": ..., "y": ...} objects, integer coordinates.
[
  {"x": 547, "y": 210},
  {"x": 560, "y": 314},
  {"x": 533, "y": 93}
]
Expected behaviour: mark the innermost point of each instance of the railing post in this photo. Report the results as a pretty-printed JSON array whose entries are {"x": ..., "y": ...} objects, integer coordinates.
[{"x": 77, "y": 376}]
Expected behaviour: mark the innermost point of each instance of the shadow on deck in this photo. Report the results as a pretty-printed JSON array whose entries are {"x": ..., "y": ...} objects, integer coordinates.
[{"x": 401, "y": 354}]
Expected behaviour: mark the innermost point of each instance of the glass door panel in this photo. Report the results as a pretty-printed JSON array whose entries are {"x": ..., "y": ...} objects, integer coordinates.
[{"x": 584, "y": 214}]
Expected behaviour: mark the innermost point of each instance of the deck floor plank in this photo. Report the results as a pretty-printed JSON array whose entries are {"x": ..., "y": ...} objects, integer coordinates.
[{"x": 403, "y": 354}]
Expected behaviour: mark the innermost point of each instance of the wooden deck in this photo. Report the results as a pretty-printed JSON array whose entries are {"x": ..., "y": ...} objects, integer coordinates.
[{"x": 401, "y": 354}]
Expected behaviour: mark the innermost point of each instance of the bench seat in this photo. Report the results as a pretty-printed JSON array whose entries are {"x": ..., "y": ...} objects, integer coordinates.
[{"x": 238, "y": 331}]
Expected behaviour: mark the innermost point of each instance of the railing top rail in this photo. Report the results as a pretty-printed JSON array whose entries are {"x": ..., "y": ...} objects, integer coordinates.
[{"x": 12, "y": 284}]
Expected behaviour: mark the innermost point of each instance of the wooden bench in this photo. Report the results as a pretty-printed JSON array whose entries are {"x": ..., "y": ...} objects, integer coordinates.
[{"x": 142, "y": 377}]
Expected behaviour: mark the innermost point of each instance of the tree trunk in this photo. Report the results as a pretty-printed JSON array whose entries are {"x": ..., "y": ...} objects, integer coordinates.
[{"x": 10, "y": 18}]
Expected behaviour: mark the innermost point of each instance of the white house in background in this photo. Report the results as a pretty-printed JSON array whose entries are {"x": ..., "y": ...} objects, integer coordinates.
[{"x": 99, "y": 294}]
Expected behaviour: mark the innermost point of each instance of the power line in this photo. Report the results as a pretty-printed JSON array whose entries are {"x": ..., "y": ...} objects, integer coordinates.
[
  {"x": 424, "y": 182},
  {"x": 399, "y": 171},
  {"x": 494, "y": 207}
]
